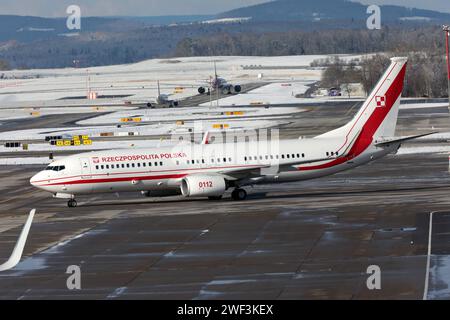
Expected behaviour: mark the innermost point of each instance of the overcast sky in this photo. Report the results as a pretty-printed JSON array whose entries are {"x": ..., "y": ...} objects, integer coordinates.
[{"x": 57, "y": 8}]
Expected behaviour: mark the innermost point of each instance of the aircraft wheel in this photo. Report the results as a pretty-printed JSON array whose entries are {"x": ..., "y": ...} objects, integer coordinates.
[
  {"x": 239, "y": 194},
  {"x": 72, "y": 203},
  {"x": 215, "y": 198}
]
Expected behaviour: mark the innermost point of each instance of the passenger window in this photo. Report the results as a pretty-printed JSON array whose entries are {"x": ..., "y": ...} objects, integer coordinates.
[
  {"x": 293, "y": 156},
  {"x": 160, "y": 163},
  {"x": 245, "y": 158},
  {"x": 224, "y": 159},
  {"x": 327, "y": 154},
  {"x": 132, "y": 165},
  {"x": 298, "y": 155},
  {"x": 203, "y": 160},
  {"x": 282, "y": 156},
  {"x": 96, "y": 167},
  {"x": 139, "y": 164},
  {"x": 229, "y": 159},
  {"x": 303, "y": 155},
  {"x": 144, "y": 164},
  {"x": 102, "y": 167},
  {"x": 156, "y": 164},
  {"x": 107, "y": 166},
  {"x": 128, "y": 165}
]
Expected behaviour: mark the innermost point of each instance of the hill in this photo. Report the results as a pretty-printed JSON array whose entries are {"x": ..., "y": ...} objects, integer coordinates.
[{"x": 306, "y": 10}]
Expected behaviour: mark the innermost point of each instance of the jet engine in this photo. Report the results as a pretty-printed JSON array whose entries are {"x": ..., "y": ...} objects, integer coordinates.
[{"x": 203, "y": 186}]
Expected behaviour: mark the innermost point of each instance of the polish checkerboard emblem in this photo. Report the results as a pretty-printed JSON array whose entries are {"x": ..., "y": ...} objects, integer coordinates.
[
  {"x": 381, "y": 101},
  {"x": 95, "y": 160}
]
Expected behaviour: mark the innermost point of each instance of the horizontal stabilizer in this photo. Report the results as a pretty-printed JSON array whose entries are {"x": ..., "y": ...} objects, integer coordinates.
[{"x": 400, "y": 139}]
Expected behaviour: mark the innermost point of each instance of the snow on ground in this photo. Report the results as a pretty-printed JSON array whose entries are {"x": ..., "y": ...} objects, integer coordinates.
[
  {"x": 408, "y": 106},
  {"x": 26, "y": 160},
  {"x": 426, "y": 149},
  {"x": 143, "y": 130},
  {"x": 139, "y": 79},
  {"x": 175, "y": 114},
  {"x": 23, "y": 113}
]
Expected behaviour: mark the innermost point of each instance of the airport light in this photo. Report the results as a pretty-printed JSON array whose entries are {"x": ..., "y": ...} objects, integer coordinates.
[{"x": 446, "y": 30}]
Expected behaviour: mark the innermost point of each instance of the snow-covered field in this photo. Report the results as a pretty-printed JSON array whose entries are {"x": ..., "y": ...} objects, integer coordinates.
[
  {"x": 176, "y": 114},
  {"x": 23, "y": 113},
  {"x": 139, "y": 79}
]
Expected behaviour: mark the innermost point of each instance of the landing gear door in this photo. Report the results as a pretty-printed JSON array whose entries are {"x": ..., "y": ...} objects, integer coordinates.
[{"x": 85, "y": 168}]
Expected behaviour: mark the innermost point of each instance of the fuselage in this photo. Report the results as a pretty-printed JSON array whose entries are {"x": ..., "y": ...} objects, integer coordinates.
[{"x": 159, "y": 169}]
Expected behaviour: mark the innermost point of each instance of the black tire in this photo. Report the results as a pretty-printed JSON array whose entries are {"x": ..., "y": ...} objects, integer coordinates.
[
  {"x": 149, "y": 105},
  {"x": 239, "y": 194},
  {"x": 201, "y": 90},
  {"x": 72, "y": 203},
  {"x": 215, "y": 198}
]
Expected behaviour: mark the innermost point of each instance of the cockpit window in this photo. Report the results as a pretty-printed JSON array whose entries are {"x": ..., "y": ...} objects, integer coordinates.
[{"x": 55, "y": 168}]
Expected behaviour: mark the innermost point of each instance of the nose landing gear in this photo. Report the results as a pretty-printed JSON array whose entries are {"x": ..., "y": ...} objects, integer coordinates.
[{"x": 72, "y": 203}]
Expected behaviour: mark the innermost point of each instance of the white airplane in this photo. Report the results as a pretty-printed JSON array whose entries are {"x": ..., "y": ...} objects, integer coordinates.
[
  {"x": 163, "y": 100},
  {"x": 218, "y": 83},
  {"x": 208, "y": 170}
]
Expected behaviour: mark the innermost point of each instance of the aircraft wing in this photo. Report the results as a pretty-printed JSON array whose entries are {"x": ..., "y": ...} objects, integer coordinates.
[
  {"x": 400, "y": 139},
  {"x": 18, "y": 249},
  {"x": 255, "y": 171}
]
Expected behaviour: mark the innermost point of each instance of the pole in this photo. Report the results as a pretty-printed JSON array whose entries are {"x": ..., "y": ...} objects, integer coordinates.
[{"x": 447, "y": 31}]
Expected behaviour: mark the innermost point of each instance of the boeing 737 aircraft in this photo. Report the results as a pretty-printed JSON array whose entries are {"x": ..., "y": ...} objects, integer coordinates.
[{"x": 208, "y": 170}]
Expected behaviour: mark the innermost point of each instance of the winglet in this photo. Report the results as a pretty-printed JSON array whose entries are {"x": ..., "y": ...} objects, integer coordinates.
[
  {"x": 18, "y": 249},
  {"x": 205, "y": 139}
]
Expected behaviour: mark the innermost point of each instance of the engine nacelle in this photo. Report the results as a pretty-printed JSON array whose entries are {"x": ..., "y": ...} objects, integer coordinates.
[
  {"x": 237, "y": 88},
  {"x": 203, "y": 186}
]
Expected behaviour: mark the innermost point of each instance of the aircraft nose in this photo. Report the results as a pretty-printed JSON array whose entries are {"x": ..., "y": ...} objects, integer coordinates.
[{"x": 34, "y": 179}]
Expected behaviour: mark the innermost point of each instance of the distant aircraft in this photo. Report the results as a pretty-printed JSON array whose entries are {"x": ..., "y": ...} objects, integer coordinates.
[
  {"x": 163, "y": 100},
  {"x": 209, "y": 169},
  {"x": 218, "y": 83}
]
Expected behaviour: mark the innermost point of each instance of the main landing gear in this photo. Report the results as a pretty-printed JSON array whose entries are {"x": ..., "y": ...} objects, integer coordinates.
[
  {"x": 72, "y": 203},
  {"x": 239, "y": 194}
]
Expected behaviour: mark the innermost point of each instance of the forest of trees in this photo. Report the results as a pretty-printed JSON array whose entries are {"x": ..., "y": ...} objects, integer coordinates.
[
  {"x": 425, "y": 76},
  {"x": 337, "y": 41}
]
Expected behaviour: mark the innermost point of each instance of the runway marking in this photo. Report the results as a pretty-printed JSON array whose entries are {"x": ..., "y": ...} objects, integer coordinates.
[{"x": 427, "y": 275}]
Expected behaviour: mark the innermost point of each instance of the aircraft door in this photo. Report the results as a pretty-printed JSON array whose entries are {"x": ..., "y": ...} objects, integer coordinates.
[{"x": 85, "y": 168}]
